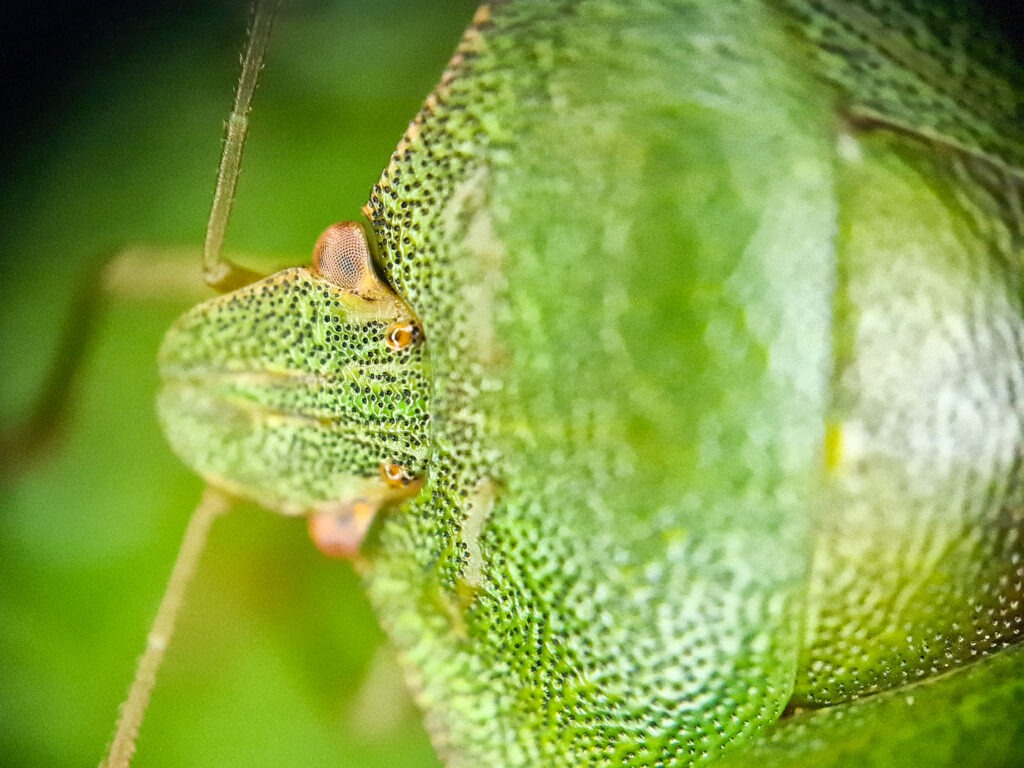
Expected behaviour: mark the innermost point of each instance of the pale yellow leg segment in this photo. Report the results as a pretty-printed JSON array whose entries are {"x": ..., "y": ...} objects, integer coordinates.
[{"x": 212, "y": 504}]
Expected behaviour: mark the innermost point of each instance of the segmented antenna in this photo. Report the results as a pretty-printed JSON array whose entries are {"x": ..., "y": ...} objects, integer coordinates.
[
  {"x": 223, "y": 275},
  {"x": 218, "y": 272},
  {"x": 133, "y": 710}
]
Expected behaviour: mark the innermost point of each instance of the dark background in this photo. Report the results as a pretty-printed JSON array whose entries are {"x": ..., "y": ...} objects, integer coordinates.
[
  {"x": 48, "y": 49},
  {"x": 45, "y": 49}
]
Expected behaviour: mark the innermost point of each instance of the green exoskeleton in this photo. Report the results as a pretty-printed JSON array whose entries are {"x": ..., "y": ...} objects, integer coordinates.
[
  {"x": 721, "y": 421},
  {"x": 684, "y": 360}
]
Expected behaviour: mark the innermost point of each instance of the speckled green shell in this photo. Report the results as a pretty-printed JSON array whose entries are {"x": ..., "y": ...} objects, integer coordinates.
[
  {"x": 723, "y": 313},
  {"x": 286, "y": 392}
]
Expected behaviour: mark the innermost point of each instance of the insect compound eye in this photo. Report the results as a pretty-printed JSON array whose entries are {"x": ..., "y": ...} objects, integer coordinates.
[
  {"x": 339, "y": 533},
  {"x": 396, "y": 476},
  {"x": 403, "y": 334},
  {"x": 342, "y": 256}
]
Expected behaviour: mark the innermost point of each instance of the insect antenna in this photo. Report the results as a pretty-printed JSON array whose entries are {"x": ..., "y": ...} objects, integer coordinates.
[
  {"x": 212, "y": 504},
  {"x": 219, "y": 272},
  {"x": 223, "y": 275}
]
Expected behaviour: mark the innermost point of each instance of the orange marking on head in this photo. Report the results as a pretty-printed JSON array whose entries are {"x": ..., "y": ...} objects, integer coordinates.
[
  {"x": 402, "y": 334},
  {"x": 396, "y": 476}
]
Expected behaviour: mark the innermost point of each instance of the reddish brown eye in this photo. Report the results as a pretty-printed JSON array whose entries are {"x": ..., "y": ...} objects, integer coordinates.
[
  {"x": 342, "y": 256},
  {"x": 339, "y": 534},
  {"x": 403, "y": 334},
  {"x": 396, "y": 475}
]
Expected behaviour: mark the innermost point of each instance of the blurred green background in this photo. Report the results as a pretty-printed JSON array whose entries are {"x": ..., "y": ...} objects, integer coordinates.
[{"x": 277, "y": 659}]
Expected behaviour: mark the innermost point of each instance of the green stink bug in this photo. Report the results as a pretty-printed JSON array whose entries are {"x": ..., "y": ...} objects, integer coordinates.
[
  {"x": 602, "y": 492},
  {"x": 644, "y": 547}
]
